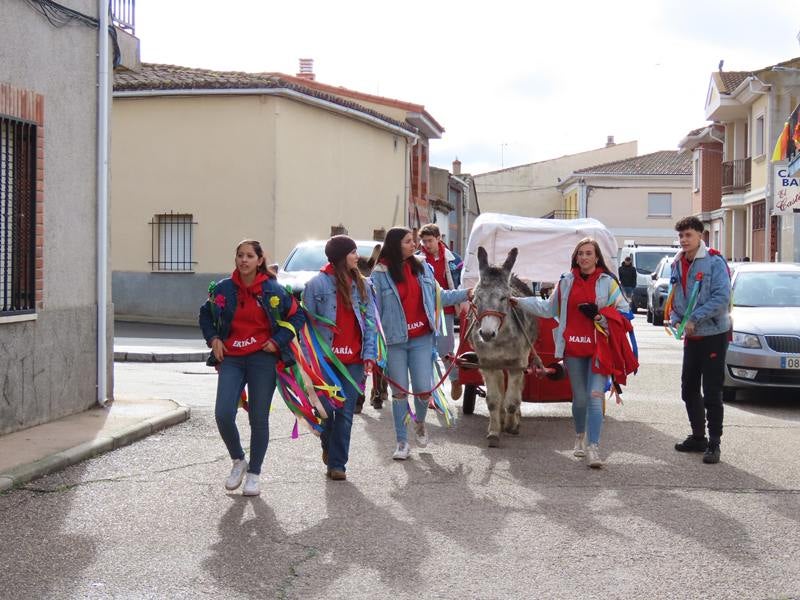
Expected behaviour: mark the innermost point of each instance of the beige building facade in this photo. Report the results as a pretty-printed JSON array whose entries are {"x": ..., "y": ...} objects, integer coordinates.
[
  {"x": 197, "y": 168},
  {"x": 532, "y": 190},
  {"x": 638, "y": 199},
  {"x": 752, "y": 107}
]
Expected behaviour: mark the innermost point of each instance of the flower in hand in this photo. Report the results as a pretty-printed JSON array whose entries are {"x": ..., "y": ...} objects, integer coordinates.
[{"x": 589, "y": 309}]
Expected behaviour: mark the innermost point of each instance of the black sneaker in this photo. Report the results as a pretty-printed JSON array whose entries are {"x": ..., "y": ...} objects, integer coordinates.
[
  {"x": 711, "y": 456},
  {"x": 692, "y": 444}
]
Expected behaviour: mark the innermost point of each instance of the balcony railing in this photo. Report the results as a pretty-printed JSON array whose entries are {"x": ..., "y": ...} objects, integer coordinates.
[
  {"x": 561, "y": 214},
  {"x": 736, "y": 176},
  {"x": 123, "y": 15}
]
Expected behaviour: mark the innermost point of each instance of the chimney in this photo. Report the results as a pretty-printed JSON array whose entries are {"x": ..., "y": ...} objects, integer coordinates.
[
  {"x": 609, "y": 141},
  {"x": 306, "y": 69},
  {"x": 456, "y": 167}
]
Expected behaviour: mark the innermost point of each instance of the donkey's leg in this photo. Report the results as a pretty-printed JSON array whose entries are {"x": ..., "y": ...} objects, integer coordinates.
[
  {"x": 494, "y": 402},
  {"x": 512, "y": 399}
]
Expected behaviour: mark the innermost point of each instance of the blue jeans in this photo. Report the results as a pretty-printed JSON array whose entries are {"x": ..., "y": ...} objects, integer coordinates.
[
  {"x": 416, "y": 356},
  {"x": 587, "y": 409},
  {"x": 445, "y": 344},
  {"x": 257, "y": 370},
  {"x": 336, "y": 428}
]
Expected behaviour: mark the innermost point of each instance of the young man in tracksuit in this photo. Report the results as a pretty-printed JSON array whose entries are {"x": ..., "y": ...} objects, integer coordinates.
[{"x": 706, "y": 330}]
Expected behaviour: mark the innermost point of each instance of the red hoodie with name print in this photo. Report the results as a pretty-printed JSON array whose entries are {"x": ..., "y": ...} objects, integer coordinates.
[
  {"x": 250, "y": 328},
  {"x": 411, "y": 298},
  {"x": 346, "y": 342},
  {"x": 579, "y": 332}
]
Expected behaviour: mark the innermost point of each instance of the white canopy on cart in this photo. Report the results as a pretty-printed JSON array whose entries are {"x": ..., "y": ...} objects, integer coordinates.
[{"x": 545, "y": 245}]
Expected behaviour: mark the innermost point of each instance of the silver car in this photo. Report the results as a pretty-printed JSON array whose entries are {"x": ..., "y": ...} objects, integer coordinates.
[
  {"x": 765, "y": 349},
  {"x": 657, "y": 291}
]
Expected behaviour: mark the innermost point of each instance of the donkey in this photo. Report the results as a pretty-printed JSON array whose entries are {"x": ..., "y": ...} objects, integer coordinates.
[
  {"x": 502, "y": 337},
  {"x": 379, "y": 386}
]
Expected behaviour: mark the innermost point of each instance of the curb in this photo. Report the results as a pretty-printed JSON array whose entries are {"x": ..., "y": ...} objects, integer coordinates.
[
  {"x": 160, "y": 357},
  {"x": 61, "y": 460}
]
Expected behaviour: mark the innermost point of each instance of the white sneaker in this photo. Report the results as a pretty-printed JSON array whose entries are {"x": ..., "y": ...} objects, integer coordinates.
[
  {"x": 593, "y": 452},
  {"x": 580, "y": 445},
  {"x": 252, "y": 486},
  {"x": 402, "y": 451},
  {"x": 422, "y": 435},
  {"x": 238, "y": 470}
]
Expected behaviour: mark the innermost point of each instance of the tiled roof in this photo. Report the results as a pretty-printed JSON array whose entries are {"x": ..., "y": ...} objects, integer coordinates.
[
  {"x": 154, "y": 77},
  {"x": 733, "y": 79},
  {"x": 664, "y": 162}
]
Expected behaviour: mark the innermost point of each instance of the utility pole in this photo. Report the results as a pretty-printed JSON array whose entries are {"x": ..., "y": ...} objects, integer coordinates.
[{"x": 502, "y": 146}]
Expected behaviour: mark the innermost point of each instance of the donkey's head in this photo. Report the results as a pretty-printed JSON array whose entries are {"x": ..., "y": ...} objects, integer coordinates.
[
  {"x": 492, "y": 293},
  {"x": 365, "y": 265}
]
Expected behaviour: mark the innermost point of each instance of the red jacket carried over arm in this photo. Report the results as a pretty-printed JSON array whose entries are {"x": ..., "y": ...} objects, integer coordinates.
[{"x": 613, "y": 354}]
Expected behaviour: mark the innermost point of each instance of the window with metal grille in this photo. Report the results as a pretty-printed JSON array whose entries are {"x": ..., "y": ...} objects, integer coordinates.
[
  {"x": 172, "y": 238},
  {"x": 17, "y": 216}
]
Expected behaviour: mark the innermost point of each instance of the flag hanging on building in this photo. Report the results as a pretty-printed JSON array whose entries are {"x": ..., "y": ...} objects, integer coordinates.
[{"x": 789, "y": 140}]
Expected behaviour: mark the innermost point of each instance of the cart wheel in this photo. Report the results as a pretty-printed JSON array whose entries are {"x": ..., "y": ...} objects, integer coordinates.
[{"x": 468, "y": 404}]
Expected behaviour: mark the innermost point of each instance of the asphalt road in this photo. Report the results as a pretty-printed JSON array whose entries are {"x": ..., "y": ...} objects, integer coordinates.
[{"x": 458, "y": 520}]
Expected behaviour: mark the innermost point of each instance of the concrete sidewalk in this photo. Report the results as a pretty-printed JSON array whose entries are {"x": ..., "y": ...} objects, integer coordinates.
[
  {"x": 44, "y": 449},
  {"x": 145, "y": 342}
]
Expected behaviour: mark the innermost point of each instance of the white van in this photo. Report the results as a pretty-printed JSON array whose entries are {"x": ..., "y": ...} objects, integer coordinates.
[{"x": 645, "y": 259}]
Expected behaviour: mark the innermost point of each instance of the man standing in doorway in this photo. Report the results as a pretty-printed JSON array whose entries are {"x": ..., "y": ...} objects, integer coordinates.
[
  {"x": 627, "y": 279},
  {"x": 700, "y": 311},
  {"x": 447, "y": 271}
]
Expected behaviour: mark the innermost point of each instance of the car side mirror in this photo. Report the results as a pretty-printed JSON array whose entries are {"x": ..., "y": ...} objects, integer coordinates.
[{"x": 653, "y": 276}]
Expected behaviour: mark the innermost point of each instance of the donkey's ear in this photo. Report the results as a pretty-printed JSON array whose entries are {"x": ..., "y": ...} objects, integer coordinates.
[
  {"x": 510, "y": 260},
  {"x": 376, "y": 252},
  {"x": 483, "y": 258}
]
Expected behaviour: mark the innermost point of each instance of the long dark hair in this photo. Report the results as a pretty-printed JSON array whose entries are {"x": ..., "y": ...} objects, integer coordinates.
[
  {"x": 256, "y": 245},
  {"x": 392, "y": 253},
  {"x": 342, "y": 275},
  {"x": 601, "y": 261}
]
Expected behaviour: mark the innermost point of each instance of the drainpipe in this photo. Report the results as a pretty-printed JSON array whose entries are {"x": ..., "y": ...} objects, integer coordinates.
[
  {"x": 102, "y": 201},
  {"x": 582, "y": 208}
]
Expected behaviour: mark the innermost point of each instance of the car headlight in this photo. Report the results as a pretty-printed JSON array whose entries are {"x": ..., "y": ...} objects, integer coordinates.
[
  {"x": 662, "y": 289},
  {"x": 746, "y": 340}
]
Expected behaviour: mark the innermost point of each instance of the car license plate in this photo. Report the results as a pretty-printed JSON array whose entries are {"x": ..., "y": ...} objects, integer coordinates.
[{"x": 790, "y": 362}]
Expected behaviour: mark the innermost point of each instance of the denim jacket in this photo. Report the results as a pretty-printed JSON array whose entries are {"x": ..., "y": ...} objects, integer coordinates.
[
  {"x": 286, "y": 309},
  {"x": 711, "y": 314},
  {"x": 319, "y": 298},
  {"x": 607, "y": 293},
  {"x": 390, "y": 308}
]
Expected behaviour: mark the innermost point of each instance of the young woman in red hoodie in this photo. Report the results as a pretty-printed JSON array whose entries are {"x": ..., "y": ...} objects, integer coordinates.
[
  {"x": 582, "y": 294},
  {"x": 240, "y": 323},
  {"x": 339, "y": 294}
]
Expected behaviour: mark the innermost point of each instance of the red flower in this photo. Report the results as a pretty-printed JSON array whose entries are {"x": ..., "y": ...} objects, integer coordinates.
[{"x": 220, "y": 301}]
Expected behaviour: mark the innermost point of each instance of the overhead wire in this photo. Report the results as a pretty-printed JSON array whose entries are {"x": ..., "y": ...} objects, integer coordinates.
[{"x": 59, "y": 15}]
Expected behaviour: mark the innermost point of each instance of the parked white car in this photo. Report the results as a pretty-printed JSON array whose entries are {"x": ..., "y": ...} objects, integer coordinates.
[
  {"x": 765, "y": 349},
  {"x": 645, "y": 259},
  {"x": 307, "y": 258}
]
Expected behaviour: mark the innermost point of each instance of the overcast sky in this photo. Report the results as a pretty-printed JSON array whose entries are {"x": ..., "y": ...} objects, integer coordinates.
[{"x": 508, "y": 82}]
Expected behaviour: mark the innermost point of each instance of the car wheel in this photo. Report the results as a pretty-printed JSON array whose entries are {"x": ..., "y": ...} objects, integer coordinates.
[
  {"x": 728, "y": 395},
  {"x": 468, "y": 403},
  {"x": 658, "y": 318}
]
